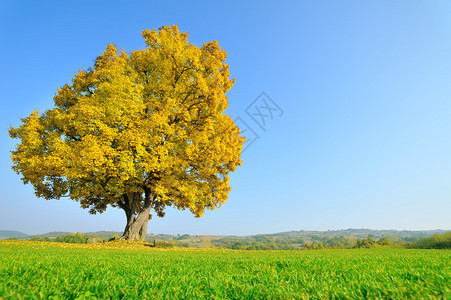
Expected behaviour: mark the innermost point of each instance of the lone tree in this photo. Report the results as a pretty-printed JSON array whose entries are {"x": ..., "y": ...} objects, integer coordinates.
[{"x": 138, "y": 131}]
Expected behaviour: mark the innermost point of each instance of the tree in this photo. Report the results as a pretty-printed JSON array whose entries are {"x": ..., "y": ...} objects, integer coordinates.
[
  {"x": 384, "y": 241},
  {"x": 351, "y": 241},
  {"x": 139, "y": 131},
  {"x": 78, "y": 238},
  {"x": 365, "y": 243}
]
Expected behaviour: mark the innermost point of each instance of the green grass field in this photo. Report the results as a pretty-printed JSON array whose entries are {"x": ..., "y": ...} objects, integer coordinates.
[{"x": 52, "y": 270}]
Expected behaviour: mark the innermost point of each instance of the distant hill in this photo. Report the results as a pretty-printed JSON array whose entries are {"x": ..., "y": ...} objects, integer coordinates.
[{"x": 4, "y": 234}]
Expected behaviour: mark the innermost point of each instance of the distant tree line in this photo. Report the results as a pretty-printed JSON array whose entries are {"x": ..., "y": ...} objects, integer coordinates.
[
  {"x": 73, "y": 238},
  {"x": 261, "y": 242},
  {"x": 78, "y": 238},
  {"x": 437, "y": 241}
]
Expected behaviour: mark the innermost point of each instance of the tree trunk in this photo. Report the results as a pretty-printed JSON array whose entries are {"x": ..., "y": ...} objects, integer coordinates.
[
  {"x": 130, "y": 218},
  {"x": 136, "y": 228},
  {"x": 143, "y": 230}
]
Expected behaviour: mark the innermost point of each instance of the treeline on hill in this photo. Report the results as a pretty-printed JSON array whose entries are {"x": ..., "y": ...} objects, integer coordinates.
[
  {"x": 269, "y": 242},
  {"x": 73, "y": 238},
  {"x": 437, "y": 241},
  {"x": 315, "y": 242},
  {"x": 80, "y": 238},
  {"x": 262, "y": 243},
  {"x": 266, "y": 243}
]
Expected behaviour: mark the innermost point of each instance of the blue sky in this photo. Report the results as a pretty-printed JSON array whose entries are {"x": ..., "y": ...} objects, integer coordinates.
[{"x": 365, "y": 136}]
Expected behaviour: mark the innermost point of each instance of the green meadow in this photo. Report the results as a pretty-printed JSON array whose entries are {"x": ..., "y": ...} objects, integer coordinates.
[{"x": 57, "y": 270}]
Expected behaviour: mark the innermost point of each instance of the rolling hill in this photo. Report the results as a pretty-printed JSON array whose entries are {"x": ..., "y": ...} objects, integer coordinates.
[{"x": 4, "y": 234}]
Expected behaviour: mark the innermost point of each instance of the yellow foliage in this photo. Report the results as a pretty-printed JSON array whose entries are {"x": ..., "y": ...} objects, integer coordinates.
[{"x": 152, "y": 119}]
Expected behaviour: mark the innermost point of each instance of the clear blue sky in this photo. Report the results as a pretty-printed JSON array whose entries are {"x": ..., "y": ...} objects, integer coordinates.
[{"x": 364, "y": 141}]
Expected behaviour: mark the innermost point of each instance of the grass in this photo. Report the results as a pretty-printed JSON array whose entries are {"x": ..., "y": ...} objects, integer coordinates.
[{"x": 124, "y": 271}]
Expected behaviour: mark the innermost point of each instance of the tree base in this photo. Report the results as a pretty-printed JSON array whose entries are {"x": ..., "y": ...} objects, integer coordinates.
[{"x": 135, "y": 230}]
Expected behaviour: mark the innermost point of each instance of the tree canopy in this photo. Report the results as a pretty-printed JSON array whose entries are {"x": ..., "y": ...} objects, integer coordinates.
[{"x": 140, "y": 131}]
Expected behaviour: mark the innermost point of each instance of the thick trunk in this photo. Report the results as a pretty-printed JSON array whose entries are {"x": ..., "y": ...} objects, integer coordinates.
[
  {"x": 143, "y": 230},
  {"x": 130, "y": 219},
  {"x": 136, "y": 228}
]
